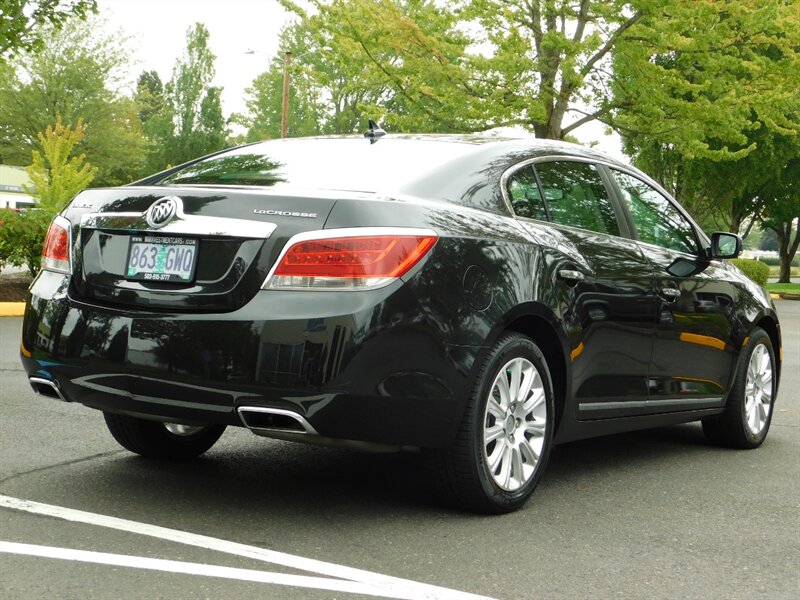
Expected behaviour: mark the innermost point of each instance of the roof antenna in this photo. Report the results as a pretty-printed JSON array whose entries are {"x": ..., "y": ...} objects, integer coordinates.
[{"x": 374, "y": 132}]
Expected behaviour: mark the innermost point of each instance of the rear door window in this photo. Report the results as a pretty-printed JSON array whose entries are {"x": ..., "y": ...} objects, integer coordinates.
[
  {"x": 523, "y": 192},
  {"x": 576, "y": 196}
]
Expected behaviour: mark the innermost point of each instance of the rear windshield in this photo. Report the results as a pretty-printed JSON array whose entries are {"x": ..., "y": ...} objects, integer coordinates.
[{"x": 330, "y": 163}]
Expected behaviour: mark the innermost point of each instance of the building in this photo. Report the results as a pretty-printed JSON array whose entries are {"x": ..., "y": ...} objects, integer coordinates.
[{"x": 12, "y": 194}]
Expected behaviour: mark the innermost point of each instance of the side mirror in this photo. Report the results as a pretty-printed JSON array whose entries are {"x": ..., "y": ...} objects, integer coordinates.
[{"x": 725, "y": 245}]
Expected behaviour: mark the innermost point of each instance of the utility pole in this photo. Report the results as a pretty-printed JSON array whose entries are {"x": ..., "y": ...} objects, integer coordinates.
[{"x": 287, "y": 61}]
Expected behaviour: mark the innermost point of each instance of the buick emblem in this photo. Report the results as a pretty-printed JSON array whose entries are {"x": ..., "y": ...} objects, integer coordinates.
[{"x": 161, "y": 211}]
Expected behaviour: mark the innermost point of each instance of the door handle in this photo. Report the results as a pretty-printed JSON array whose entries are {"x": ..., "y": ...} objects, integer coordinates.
[
  {"x": 570, "y": 275},
  {"x": 670, "y": 293}
]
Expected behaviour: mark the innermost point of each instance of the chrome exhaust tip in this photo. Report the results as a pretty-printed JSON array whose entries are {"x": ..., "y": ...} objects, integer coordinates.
[
  {"x": 260, "y": 419},
  {"x": 47, "y": 388}
]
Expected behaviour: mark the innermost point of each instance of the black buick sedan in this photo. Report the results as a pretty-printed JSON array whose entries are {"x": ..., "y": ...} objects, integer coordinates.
[{"x": 476, "y": 299}]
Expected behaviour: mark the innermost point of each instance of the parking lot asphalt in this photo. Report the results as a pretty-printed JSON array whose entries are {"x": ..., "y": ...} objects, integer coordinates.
[{"x": 653, "y": 514}]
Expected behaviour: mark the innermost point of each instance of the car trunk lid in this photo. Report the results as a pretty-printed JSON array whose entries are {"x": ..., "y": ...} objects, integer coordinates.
[{"x": 233, "y": 235}]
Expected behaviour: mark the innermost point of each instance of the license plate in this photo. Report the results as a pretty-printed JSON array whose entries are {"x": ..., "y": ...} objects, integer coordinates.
[{"x": 161, "y": 258}]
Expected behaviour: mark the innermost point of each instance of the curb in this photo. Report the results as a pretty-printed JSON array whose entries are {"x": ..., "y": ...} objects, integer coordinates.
[
  {"x": 784, "y": 296},
  {"x": 12, "y": 309}
]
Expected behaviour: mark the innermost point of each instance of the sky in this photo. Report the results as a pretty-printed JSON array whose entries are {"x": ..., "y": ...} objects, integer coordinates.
[{"x": 157, "y": 29}]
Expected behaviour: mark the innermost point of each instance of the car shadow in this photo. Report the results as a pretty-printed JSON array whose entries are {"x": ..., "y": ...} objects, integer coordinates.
[{"x": 247, "y": 480}]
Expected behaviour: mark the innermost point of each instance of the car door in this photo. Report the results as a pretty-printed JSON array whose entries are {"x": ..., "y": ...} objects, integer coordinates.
[
  {"x": 601, "y": 281},
  {"x": 694, "y": 346}
]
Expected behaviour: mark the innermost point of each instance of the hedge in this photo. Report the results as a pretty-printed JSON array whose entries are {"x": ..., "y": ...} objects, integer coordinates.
[
  {"x": 754, "y": 269},
  {"x": 21, "y": 237}
]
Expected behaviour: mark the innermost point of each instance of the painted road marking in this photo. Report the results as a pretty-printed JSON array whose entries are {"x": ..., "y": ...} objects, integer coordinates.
[
  {"x": 187, "y": 568},
  {"x": 387, "y": 586}
]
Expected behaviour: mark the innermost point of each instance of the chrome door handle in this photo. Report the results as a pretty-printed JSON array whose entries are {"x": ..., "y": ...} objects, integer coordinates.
[
  {"x": 570, "y": 275},
  {"x": 670, "y": 293}
]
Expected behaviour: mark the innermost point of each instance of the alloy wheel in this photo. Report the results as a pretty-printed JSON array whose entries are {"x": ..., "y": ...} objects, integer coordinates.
[
  {"x": 515, "y": 424},
  {"x": 758, "y": 390}
]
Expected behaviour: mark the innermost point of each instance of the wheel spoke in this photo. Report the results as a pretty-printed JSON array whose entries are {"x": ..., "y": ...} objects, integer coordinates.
[
  {"x": 495, "y": 409},
  {"x": 492, "y": 433},
  {"x": 504, "y": 476},
  {"x": 530, "y": 452},
  {"x": 518, "y": 475},
  {"x": 515, "y": 371},
  {"x": 496, "y": 456},
  {"x": 536, "y": 428},
  {"x": 753, "y": 418},
  {"x": 535, "y": 399},
  {"x": 501, "y": 385},
  {"x": 764, "y": 362},
  {"x": 762, "y": 413}
]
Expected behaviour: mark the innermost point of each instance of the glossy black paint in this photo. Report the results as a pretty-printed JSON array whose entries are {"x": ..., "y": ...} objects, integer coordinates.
[{"x": 394, "y": 365}]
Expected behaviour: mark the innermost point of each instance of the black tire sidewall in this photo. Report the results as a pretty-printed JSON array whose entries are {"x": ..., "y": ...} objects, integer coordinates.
[
  {"x": 510, "y": 347},
  {"x": 151, "y": 439}
]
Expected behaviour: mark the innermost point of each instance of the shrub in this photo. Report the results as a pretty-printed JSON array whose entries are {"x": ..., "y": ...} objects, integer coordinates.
[
  {"x": 774, "y": 261},
  {"x": 754, "y": 269},
  {"x": 22, "y": 236}
]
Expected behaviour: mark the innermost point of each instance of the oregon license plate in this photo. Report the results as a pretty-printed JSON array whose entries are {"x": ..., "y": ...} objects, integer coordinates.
[{"x": 161, "y": 258}]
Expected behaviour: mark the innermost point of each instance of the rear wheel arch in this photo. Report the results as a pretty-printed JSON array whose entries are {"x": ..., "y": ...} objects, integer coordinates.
[{"x": 538, "y": 323}]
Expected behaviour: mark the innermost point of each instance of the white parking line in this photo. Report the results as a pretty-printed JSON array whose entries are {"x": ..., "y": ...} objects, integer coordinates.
[
  {"x": 187, "y": 568},
  {"x": 380, "y": 585}
]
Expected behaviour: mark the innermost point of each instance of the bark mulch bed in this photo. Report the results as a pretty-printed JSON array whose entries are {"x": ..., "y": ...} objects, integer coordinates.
[{"x": 14, "y": 287}]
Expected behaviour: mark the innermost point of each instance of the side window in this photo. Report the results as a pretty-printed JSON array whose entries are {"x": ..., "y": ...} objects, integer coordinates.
[
  {"x": 524, "y": 194},
  {"x": 657, "y": 220},
  {"x": 576, "y": 196}
]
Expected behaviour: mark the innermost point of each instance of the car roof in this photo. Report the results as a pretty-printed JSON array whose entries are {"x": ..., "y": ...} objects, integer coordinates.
[{"x": 461, "y": 168}]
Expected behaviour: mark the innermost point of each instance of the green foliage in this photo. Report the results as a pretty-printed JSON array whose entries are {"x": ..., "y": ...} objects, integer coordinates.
[
  {"x": 197, "y": 112},
  {"x": 776, "y": 261},
  {"x": 782, "y": 214},
  {"x": 56, "y": 175},
  {"x": 22, "y": 236},
  {"x": 754, "y": 269},
  {"x": 468, "y": 65},
  {"x": 701, "y": 77},
  {"x": 22, "y": 21},
  {"x": 717, "y": 117},
  {"x": 74, "y": 76},
  {"x": 182, "y": 119},
  {"x": 155, "y": 116}
]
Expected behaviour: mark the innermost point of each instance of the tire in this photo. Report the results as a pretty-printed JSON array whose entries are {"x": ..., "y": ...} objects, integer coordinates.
[
  {"x": 504, "y": 441},
  {"x": 153, "y": 439},
  {"x": 748, "y": 412}
]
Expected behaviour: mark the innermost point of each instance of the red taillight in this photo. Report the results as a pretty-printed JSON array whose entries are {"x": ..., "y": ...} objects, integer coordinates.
[
  {"x": 55, "y": 252},
  {"x": 350, "y": 261}
]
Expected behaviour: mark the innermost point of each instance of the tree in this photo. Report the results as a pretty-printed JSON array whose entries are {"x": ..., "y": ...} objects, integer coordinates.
[
  {"x": 22, "y": 21},
  {"x": 718, "y": 120},
  {"x": 474, "y": 64},
  {"x": 265, "y": 95},
  {"x": 721, "y": 193},
  {"x": 183, "y": 118},
  {"x": 782, "y": 215},
  {"x": 56, "y": 174},
  {"x": 702, "y": 78},
  {"x": 76, "y": 75},
  {"x": 199, "y": 127},
  {"x": 156, "y": 117}
]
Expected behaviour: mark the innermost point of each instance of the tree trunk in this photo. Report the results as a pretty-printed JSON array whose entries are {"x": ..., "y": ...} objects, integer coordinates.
[{"x": 787, "y": 250}]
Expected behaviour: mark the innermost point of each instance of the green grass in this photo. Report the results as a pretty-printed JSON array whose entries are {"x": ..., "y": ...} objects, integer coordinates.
[{"x": 784, "y": 287}]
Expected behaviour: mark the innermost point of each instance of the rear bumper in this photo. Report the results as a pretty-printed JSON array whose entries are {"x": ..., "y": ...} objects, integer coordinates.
[{"x": 361, "y": 366}]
